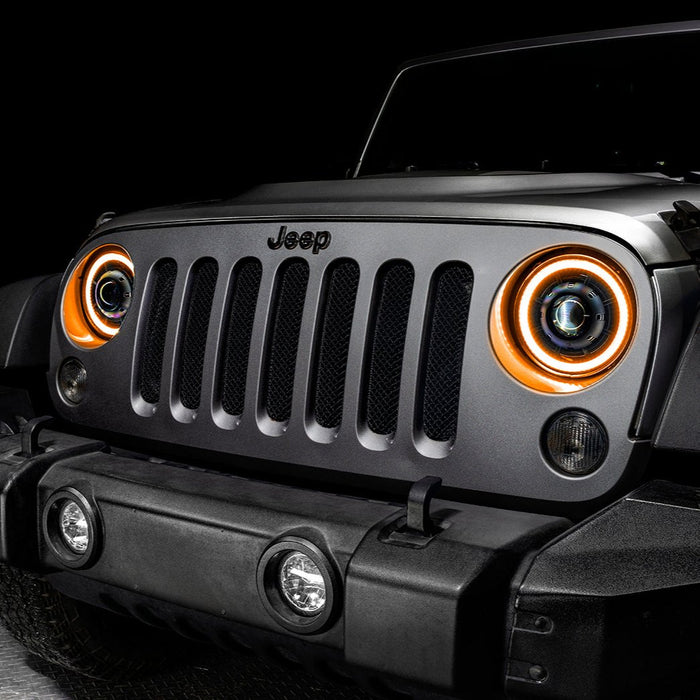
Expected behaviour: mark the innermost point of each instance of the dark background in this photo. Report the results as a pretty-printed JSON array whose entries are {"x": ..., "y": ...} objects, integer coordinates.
[{"x": 121, "y": 112}]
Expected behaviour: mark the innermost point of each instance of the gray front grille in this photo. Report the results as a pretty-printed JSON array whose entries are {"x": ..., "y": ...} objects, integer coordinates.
[{"x": 436, "y": 397}]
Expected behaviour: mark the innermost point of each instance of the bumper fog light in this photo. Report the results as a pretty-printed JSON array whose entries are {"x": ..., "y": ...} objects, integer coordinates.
[
  {"x": 301, "y": 583},
  {"x": 74, "y": 527},
  {"x": 298, "y": 585},
  {"x": 575, "y": 443}
]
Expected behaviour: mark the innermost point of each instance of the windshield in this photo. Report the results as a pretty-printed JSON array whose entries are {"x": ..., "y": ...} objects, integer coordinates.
[{"x": 617, "y": 105}]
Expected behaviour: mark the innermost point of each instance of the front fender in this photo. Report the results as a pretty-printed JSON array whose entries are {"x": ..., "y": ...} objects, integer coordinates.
[{"x": 26, "y": 309}]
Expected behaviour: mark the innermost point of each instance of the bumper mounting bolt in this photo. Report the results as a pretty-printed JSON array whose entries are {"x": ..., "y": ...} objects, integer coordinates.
[
  {"x": 542, "y": 623},
  {"x": 537, "y": 673}
]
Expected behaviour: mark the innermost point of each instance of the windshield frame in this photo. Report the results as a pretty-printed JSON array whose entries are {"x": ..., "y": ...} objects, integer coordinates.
[{"x": 522, "y": 45}]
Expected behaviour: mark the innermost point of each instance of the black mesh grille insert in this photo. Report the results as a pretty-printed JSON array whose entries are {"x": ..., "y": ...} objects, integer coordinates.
[
  {"x": 161, "y": 286},
  {"x": 194, "y": 338},
  {"x": 392, "y": 303},
  {"x": 243, "y": 298},
  {"x": 283, "y": 341},
  {"x": 339, "y": 305},
  {"x": 444, "y": 349}
]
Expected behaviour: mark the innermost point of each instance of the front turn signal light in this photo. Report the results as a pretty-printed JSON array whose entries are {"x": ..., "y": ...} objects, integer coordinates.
[
  {"x": 563, "y": 319},
  {"x": 97, "y": 296}
]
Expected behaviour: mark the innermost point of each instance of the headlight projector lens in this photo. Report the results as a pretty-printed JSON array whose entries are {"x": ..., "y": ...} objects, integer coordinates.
[
  {"x": 574, "y": 442},
  {"x": 567, "y": 314},
  {"x": 112, "y": 294}
]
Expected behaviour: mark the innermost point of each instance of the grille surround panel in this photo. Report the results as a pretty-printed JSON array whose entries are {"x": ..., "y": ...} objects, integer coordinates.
[{"x": 491, "y": 404}]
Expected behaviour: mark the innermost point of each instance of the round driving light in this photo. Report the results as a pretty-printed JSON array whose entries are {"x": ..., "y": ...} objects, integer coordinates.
[
  {"x": 575, "y": 443},
  {"x": 72, "y": 380},
  {"x": 302, "y": 584},
  {"x": 298, "y": 585},
  {"x": 74, "y": 527}
]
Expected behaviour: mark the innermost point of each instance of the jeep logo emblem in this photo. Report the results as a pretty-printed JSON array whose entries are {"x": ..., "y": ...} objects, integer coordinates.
[{"x": 319, "y": 240}]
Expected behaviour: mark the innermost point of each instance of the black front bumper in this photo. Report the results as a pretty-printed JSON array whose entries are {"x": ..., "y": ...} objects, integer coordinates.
[{"x": 489, "y": 599}]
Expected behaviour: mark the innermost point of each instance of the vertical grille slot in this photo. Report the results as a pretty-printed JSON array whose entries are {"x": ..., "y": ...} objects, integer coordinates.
[
  {"x": 340, "y": 292},
  {"x": 193, "y": 341},
  {"x": 283, "y": 340},
  {"x": 388, "y": 337},
  {"x": 443, "y": 350},
  {"x": 160, "y": 294},
  {"x": 243, "y": 298}
]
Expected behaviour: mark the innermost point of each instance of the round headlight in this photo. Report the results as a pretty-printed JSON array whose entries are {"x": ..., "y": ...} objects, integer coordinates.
[
  {"x": 97, "y": 296},
  {"x": 563, "y": 319},
  {"x": 575, "y": 443}
]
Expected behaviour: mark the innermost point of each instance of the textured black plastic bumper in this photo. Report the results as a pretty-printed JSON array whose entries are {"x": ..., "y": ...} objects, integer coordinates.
[
  {"x": 489, "y": 597},
  {"x": 611, "y": 608}
]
